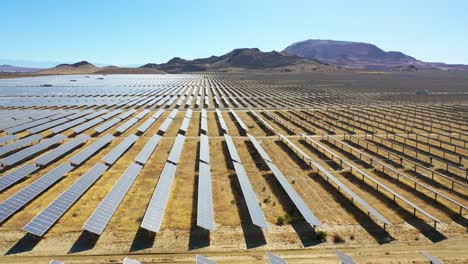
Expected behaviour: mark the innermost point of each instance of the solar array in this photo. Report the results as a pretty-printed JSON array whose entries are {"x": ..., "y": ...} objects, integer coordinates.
[
  {"x": 31, "y": 151},
  {"x": 103, "y": 213},
  {"x": 255, "y": 211},
  {"x": 388, "y": 159},
  {"x": 368, "y": 208},
  {"x": 28, "y": 193},
  {"x": 119, "y": 150},
  {"x": 16, "y": 175},
  {"x": 293, "y": 195},
  {"x": 44, "y": 220},
  {"x": 83, "y": 155},
  {"x": 432, "y": 259}
]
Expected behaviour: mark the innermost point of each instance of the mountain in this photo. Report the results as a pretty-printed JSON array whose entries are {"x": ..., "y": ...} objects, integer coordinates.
[
  {"x": 11, "y": 68},
  {"x": 82, "y": 67},
  {"x": 360, "y": 55},
  {"x": 241, "y": 60}
]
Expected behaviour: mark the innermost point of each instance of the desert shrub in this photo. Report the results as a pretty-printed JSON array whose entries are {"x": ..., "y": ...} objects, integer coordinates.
[
  {"x": 338, "y": 239},
  {"x": 280, "y": 221},
  {"x": 322, "y": 236}
]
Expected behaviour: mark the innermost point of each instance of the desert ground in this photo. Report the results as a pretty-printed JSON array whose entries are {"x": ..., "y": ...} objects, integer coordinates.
[{"x": 398, "y": 141}]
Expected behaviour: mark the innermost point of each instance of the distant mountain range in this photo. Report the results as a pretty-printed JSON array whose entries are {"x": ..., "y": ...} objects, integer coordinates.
[
  {"x": 305, "y": 56},
  {"x": 241, "y": 60},
  {"x": 359, "y": 55},
  {"x": 11, "y": 69}
]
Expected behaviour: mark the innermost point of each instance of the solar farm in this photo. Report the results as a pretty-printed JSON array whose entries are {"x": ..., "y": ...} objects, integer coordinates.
[{"x": 219, "y": 168}]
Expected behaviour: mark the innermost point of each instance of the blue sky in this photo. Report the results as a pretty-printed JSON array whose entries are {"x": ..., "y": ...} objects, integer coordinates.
[{"x": 136, "y": 32}]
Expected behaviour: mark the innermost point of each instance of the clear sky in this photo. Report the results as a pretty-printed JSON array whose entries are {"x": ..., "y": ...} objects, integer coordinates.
[{"x": 137, "y": 31}]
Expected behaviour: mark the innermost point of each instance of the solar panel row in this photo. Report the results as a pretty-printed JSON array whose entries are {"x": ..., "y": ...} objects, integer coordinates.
[
  {"x": 83, "y": 155},
  {"x": 68, "y": 125},
  {"x": 16, "y": 175},
  {"x": 255, "y": 211},
  {"x": 222, "y": 123},
  {"x": 165, "y": 125},
  {"x": 148, "y": 149},
  {"x": 176, "y": 150},
  {"x": 340, "y": 185},
  {"x": 204, "y": 121},
  {"x": 186, "y": 122},
  {"x": 30, "y": 151},
  {"x": 18, "y": 144},
  {"x": 28, "y": 193},
  {"x": 107, "y": 125},
  {"x": 7, "y": 138},
  {"x": 62, "y": 150},
  {"x": 292, "y": 194},
  {"x": 122, "y": 128},
  {"x": 97, "y": 222},
  {"x": 44, "y": 220},
  {"x": 89, "y": 124},
  {"x": 239, "y": 120},
  {"x": 155, "y": 211},
  {"x": 119, "y": 150}
]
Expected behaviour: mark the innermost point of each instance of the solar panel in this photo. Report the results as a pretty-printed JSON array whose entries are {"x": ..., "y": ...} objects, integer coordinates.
[
  {"x": 239, "y": 120},
  {"x": 155, "y": 211},
  {"x": 205, "y": 216},
  {"x": 173, "y": 113},
  {"x": 158, "y": 114},
  {"x": 83, "y": 155},
  {"x": 221, "y": 120},
  {"x": 232, "y": 148},
  {"x": 127, "y": 114},
  {"x": 142, "y": 114},
  {"x": 47, "y": 125},
  {"x": 67, "y": 125},
  {"x": 31, "y": 151},
  {"x": 111, "y": 114},
  {"x": 345, "y": 259},
  {"x": 165, "y": 125},
  {"x": 16, "y": 175},
  {"x": 55, "y": 262},
  {"x": 44, "y": 220},
  {"x": 259, "y": 148},
  {"x": 262, "y": 120},
  {"x": 7, "y": 138},
  {"x": 107, "y": 125},
  {"x": 28, "y": 193},
  {"x": 340, "y": 185},
  {"x": 204, "y": 148},
  {"x": 255, "y": 211},
  {"x": 87, "y": 125},
  {"x": 203, "y": 260},
  {"x": 130, "y": 261},
  {"x": 176, "y": 150},
  {"x": 294, "y": 196},
  {"x": 118, "y": 151},
  {"x": 98, "y": 221},
  {"x": 186, "y": 122},
  {"x": 204, "y": 121},
  {"x": 143, "y": 127},
  {"x": 18, "y": 144},
  {"x": 148, "y": 149},
  {"x": 122, "y": 128},
  {"x": 273, "y": 259},
  {"x": 62, "y": 150},
  {"x": 432, "y": 259}
]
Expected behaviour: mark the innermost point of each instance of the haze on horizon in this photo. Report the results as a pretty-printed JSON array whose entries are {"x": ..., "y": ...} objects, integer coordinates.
[{"x": 137, "y": 32}]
